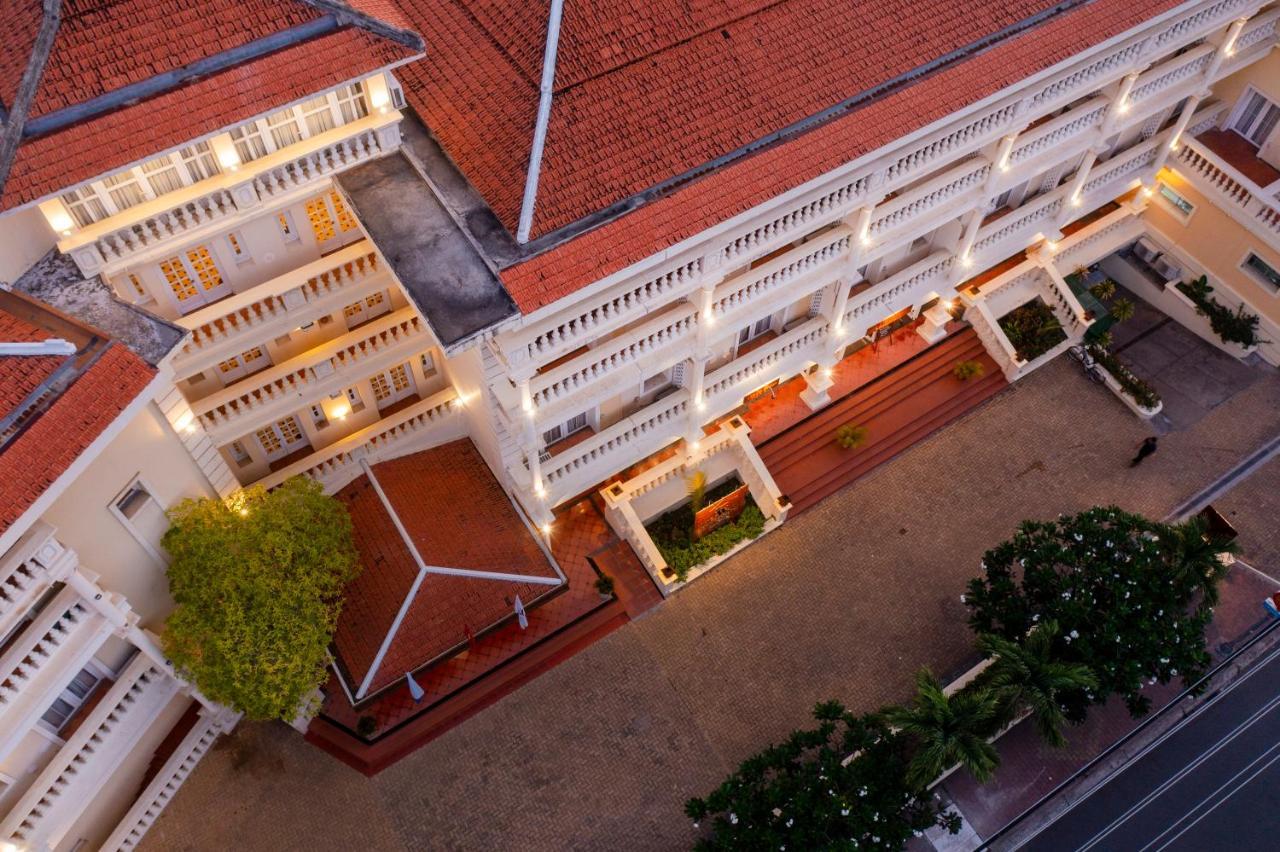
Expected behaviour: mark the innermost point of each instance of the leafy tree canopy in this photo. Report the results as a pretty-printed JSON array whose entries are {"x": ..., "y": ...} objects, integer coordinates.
[
  {"x": 258, "y": 581},
  {"x": 1131, "y": 598},
  {"x": 807, "y": 794}
]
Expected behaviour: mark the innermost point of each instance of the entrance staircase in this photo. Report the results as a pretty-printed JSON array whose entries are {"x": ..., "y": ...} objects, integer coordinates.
[{"x": 899, "y": 409}]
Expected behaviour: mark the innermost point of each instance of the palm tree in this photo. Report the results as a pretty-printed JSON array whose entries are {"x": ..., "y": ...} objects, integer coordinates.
[
  {"x": 947, "y": 730},
  {"x": 1193, "y": 558},
  {"x": 1027, "y": 675}
]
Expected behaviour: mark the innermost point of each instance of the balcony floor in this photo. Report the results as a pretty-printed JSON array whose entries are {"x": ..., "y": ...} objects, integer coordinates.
[{"x": 1241, "y": 155}]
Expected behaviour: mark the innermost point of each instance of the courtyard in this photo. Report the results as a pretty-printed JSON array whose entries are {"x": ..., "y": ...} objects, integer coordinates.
[{"x": 847, "y": 600}]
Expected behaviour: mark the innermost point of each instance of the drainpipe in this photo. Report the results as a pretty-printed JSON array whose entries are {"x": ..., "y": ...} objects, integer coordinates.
[{"x": 545, "y": 91}]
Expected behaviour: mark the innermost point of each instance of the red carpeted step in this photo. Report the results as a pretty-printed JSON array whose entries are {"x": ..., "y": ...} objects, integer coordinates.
[
  {"x": 869, "y": 401},
  {"x": 901, "y": 427},
  {"x": 958, "y": 347}
]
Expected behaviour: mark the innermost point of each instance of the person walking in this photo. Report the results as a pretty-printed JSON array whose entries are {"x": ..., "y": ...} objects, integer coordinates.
[{"x": 1149, "y": 446}]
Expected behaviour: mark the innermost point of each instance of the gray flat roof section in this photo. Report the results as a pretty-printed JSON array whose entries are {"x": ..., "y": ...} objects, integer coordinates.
[{"x": 439, "y": 265}]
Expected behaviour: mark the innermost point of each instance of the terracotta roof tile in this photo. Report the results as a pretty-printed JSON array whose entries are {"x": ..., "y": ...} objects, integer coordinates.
[
  {"x": 102, "y": 46},
  {"x": 34, "y": 460},
  {"x": 19, "y": 376},
  {"x": 738, "y": 187},
  {"x": 457, "y": 516}
]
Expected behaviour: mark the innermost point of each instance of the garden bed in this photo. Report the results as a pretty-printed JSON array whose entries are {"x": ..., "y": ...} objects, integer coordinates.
[
  {"x": 1032, "y": 329},
  {"x": 672, "y": 531},
  {"x": 1141, "y": 398},
  {"x": 1237, "y": 328}
]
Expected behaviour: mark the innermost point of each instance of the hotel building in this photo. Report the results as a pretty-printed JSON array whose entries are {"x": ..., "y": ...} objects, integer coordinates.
[{"x": 577, "y": 241}]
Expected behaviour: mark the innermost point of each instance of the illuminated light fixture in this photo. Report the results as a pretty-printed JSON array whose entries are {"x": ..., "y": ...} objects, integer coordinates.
[
  {"x": 966, "y": 260},
  {"x": 1075, "y": 200},
  {"x": 546, "y": 530},
  {"x": 827, "y": 373},
  {"x": 228, "y": 158},
  {"x": 1122, "y": 107},
  {"x": 342, "y": 411},
  {"x": 709, "y": 317},
  {"x": 244, "y": 512},
  {"x": 865, "y": 239},
  {"x": 186, "y": 423},
  {"x": 694, "y": 446},
  {"x": 540, "y": 490},
  {"x": 701, "y": 404},
  {"x": 1050, "y": 246},
  {"x": 1148, "y": 191}
]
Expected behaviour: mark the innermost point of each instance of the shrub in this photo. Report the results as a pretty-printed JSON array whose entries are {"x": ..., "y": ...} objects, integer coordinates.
[
  {"x": 1131, "y": 598},
  {"x": 807, "y": 794},
  {"x": 696, "y": 485},
  {"x": 366, "y": 726},
  {"x": 1138, "y": 390},
  {"x": 683, "y": 554},
  {"x": 1033, "y": 329},
  {"x": 258, "y": 583},
  {"x": 604, "y": 585},
  {"x": 966, "y": 370},
  {"x": 850, "y": 436},
  {"x": 1123, "y": 310},
  {"x": 1238, "y": 326},
  {"x": 1103, "y": 290}
]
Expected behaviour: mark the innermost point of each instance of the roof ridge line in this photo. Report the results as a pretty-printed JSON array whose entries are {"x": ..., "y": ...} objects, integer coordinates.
[
  {"x": 15, "y": 126},
  {"x": 341, "y": 9},
  {"x": 546, "y": 93}
]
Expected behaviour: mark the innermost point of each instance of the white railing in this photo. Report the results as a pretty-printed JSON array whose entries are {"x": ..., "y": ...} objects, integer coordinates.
[
  {"x": 157, "y": 795},
  {"x": 30, "y": 567},
  {"x": 1170, "y": 73},
  {"x": 44, "y": 659},
  {"x": 230, "y": 326},
  {"x": 275, "y": 392},
  {"x": 548, "y": 339},
  {"x": 912, "y": 205},
  {"x": 1249, "y": 203},
  {"x": 86, "y": 762},
  {"x": 428, "y": 422},
  {"x": 145, "y": 226}
]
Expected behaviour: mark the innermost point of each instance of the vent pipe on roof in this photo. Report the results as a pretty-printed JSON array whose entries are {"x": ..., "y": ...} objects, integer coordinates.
[
  {"x": 540, "y": 127},
  {"x": 52, "y": 346}
]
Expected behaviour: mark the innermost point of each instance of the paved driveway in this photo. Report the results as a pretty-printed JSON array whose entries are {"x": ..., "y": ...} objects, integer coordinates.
[{"x": 846, "y": 601}]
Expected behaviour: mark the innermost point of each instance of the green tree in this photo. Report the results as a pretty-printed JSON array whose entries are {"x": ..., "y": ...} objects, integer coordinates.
[
  {"x": 948, "y": 729},
  {"x": 258, "y": 581},
  {"x": 1132, "y": 597},
  {"x": 841, "y": 784},
  {"x": 1028, "y": 675}
]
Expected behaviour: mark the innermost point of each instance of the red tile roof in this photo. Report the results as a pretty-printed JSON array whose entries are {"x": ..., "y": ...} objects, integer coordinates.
[
  {"x": 459, "y": 517},
  {"x": 743, "y": 184},
  {"x": 19, "y": 376},
  {"x": 104, "y": 46},
  {"x": 34, "y": 460}
]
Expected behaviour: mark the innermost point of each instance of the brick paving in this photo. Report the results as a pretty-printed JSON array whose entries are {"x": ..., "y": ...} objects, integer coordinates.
[{"x": 847, "y": 601}]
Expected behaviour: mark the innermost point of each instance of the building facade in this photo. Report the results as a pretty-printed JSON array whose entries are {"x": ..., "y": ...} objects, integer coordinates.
[{"x": 348, "y": 289}]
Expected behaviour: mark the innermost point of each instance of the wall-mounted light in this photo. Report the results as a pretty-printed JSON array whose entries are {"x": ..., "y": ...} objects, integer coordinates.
[{"x": 186, "y": 422}]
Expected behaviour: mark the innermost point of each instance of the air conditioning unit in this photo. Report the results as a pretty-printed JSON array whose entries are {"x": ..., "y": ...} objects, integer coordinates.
[
  {"x": 1146, "y": 250},
  {"x": 1168, "y": 270}
]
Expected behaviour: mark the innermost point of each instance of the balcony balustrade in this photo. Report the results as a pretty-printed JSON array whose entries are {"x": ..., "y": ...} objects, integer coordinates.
[
  {"x": 32, "y": 565},
  {"x": 86, "y": 762},
  {"x": 197, "y": 209},
  {"x": 425, "y": 424},
  {"x": 267, "y": 396},
  {"x": 235, "y": 324},
  {"x": 157, "y": 795},
  {"x": 1249, "y": 204},
  {"x": 908, "y": 214},
  {"x": 43, "y": 660}
]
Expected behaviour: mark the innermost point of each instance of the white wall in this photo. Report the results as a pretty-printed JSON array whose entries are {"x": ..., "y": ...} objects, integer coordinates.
[{"x": 25, "y": 237}]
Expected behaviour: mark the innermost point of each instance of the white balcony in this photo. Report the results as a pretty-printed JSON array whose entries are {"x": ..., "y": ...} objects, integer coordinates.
[
  {"x": 48, "y": 654},
  {"x": 278, "y": 391},
  {"x": 157, "y": 795},
  {"x": 30, "y": 567},
  {"x": 203, "y": 207},
  {"x": 425, "y": 424},
  {"x": 1249, "y": 204},
  {"x": 235, "y": 324},
  {"x": 68, "y": 785}
]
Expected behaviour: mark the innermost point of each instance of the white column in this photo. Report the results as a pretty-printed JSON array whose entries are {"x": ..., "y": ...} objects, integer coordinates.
[
  {"x": 964, "y": 249},
  {"x": 1226, "y": 48},
  {"x": 1175, "y": 137},
  {"x": 1119, "y": 104},
  {"x": 1074, "y": 201}
]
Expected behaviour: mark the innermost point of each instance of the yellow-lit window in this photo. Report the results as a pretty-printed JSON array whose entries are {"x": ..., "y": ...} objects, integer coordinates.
[
  {"x": 346, "y": 221},
  {"x": 285, "y": 222},
  {"x": 269, "y": 440},
  {"x": 381, "y": 387},
  {"x": 352, "y": 310},
  {"x": 175, "y": 272},
  {"x": 321, "y": 221},
  {"x": 290, "y": 431},
  {"x": 374, "y": 300},
  {"x": 229, "y": 365},
  {"x": 399, "y": 377},
  {"x": 204, "y": 267},
  {"x": 137, "y": 285}
]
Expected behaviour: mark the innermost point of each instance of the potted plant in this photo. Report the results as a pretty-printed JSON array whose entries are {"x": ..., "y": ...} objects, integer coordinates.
[
  {"x": 850, "y": 436},
  {"x": 966, "y": 370},
  {"x": 604, "y": 585}
]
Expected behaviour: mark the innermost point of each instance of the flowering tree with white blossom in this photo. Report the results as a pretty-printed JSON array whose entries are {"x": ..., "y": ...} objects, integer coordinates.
[
  {"x": 840, "y": 785},
  {"x": 1131, "y": 598}
]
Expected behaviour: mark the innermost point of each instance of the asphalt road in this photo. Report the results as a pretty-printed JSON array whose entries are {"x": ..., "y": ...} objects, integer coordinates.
[{"x": 1212, "y": 783}]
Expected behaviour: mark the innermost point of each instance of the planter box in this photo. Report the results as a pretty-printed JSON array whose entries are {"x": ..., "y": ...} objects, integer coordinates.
[
  {"x": 1204, "y": 328},
  {"x": 1132, "y": 404}
]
